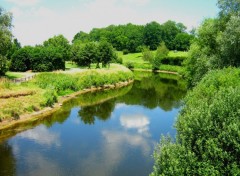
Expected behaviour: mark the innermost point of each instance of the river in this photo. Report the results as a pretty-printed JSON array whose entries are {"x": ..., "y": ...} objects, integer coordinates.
[{"x": 104, "y": 133}]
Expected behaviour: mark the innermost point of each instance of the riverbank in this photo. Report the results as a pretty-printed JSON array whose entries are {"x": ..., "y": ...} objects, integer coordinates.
[{"x": 50, "y": 90}]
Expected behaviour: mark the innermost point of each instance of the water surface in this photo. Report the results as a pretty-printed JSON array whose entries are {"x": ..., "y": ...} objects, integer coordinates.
[{"x": 106, "y": 133}]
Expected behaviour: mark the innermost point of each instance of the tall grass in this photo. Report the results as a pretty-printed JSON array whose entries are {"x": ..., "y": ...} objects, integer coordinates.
[{"x": 62, "y": 82}]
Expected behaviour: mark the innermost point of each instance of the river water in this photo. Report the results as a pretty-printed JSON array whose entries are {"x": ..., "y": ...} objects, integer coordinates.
[{"x": 105, "y": 133}]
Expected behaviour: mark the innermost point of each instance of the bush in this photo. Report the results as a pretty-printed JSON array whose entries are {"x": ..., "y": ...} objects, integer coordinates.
[
  {"x": 119, "y": 60},
  {"x": 129, "y": 65},
  {"x": 207, "y": 130},
  {"x": 50, "y": 97},
  {"x": 178, "y": 60},
  {"x": 125, "y": 51},
  {"x": 156, "y": 64}
]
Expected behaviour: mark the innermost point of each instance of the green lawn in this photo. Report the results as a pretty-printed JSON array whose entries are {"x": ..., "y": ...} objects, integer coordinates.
[
  {"x": 139, "y": 63},
  {"x": 13, "y": 75}
]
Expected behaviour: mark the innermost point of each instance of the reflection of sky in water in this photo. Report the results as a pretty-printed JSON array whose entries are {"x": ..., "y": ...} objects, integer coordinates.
[
  {"x": 41, "y": 135},
  {"x": 120, "y": 145}
]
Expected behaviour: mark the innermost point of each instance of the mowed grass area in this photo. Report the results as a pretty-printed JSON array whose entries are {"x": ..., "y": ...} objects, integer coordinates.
[
  {"x": 46, "y": 88},
  {"x": 139, "y": 63}
]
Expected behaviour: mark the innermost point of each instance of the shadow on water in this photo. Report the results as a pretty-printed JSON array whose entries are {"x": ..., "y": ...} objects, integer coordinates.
[{"x": 7, "y": 160}]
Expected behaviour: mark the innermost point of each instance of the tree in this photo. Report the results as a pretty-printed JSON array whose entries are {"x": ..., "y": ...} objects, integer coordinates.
[
  {"x": 88, "y": 54},
  {"x": 15, "y": 45},
  {"x": 229, "y": 7},
  {"x": 162, "y": 51},
  {"x": 106, "y": 53},
  {"x": 5, "y": 38},
  {"x": 147, "y": 54},
  {"x": 59, "y": 42},
  {"x": 182, "y": 41},
  {"x": 170, "y": 31},
  {"x": 81, "y": 36},
  {"x": 152, "y": 35},
  {"x": 3, "y": 65},
  {"x": 22, "y": 59},
  {"x": 229, "y": 43}
]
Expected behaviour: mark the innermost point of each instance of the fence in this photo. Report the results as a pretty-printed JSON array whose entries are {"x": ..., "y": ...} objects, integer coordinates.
[{"x": 20, "y": 80}]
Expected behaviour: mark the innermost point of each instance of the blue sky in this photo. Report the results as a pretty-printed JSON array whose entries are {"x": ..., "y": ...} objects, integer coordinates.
[{"x": 37, "y": 20}]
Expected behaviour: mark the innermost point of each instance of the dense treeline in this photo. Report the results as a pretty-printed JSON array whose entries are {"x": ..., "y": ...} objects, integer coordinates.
[
  {"x": 98, "y": 46},
  {"x": 132, "y": 38},
  {"x": 47, "y": 57},
  {"x": 208, "y": 138}
]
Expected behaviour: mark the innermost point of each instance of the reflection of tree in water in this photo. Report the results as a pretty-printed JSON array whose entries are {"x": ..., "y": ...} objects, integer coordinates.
[
  {"x": 101, "y": 111},
  {"x": 154, "y": 90},
  {"x": 7, "y": 162}
]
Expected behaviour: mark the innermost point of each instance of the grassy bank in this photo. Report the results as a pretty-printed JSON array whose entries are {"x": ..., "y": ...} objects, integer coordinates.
[
  {"x": 138, "y": 63},
  {"x": 46, "y": 88}
]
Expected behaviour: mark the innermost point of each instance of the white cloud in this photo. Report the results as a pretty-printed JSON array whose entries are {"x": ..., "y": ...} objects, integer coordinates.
[
  {"x": 136, "y": 121},
  {"x": 36, "y": 24},
  {"x": 41, "y": 135},
  {"x": 113, "y": 151},
  {"x": 24, "y": 2}
]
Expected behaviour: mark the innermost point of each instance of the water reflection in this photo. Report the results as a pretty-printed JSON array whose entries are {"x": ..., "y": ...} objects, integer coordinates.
[
  {"x": 136, "y": 121},
  {"x": 41, "y": 135},
  {"x": 122, "y": 127},
  {"x": 7, "y": 160}
]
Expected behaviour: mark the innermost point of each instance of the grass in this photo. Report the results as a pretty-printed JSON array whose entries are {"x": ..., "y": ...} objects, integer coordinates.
[
  {"x": 14, "y": 75},
  {"x": 139, "y": 63},
  {"x": 45, "y": 89},
  {"x": 70, "y": 64}
]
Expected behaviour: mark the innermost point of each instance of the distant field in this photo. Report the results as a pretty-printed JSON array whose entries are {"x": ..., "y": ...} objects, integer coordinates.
[
  {"x": 137, "y": 57},
  {"x": 139, "y": 63}
]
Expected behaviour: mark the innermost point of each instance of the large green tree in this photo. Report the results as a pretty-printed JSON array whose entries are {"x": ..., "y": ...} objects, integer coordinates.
[
  {"x": 106, "y": 53},
  {"x": 87, "y": 54},
  {"x": 5, "y": 38},
  {"x": 152, "y": 35},
  {"x": 61, "y": 43}
]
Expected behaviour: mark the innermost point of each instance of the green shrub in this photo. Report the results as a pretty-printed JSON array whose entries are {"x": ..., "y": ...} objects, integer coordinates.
[
  {"x": 119, "y": 60},
  {"x": 208, "y": 128},
  {"x": 156, "y": 64},
  {"x": 129, "y": 65},
  {"x": 170, "y": 60},
  {"x": 50, "y": 97},
  {"x": 125, "y": 51}
]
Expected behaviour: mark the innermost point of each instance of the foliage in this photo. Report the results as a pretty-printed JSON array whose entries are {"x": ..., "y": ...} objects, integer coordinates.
[
  {"x": 170, "y": 29},
  {"x": 208, "y": 130},
  {"x": 3, "y": 65},
  {"x": 5, "y": 39},
  {"x": 152, "y": 35},
  {"x": 129, "y": 65},
  {"x": 132, "y": 37},
  {"x": 147, "y": 55},
  {"x": 229, "y": 43},
  {"x": 106, "y": 53},
  {"x": 162, "y": 51},
  {"x": 38, "y": 58},
  {"x": 5, "y": 31},
  {"x": 81, "y": 36},
  {"x": 60, "y": 43},
  {"x": 182, "y": 41},
  {"x": 217, "y": 45}
]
